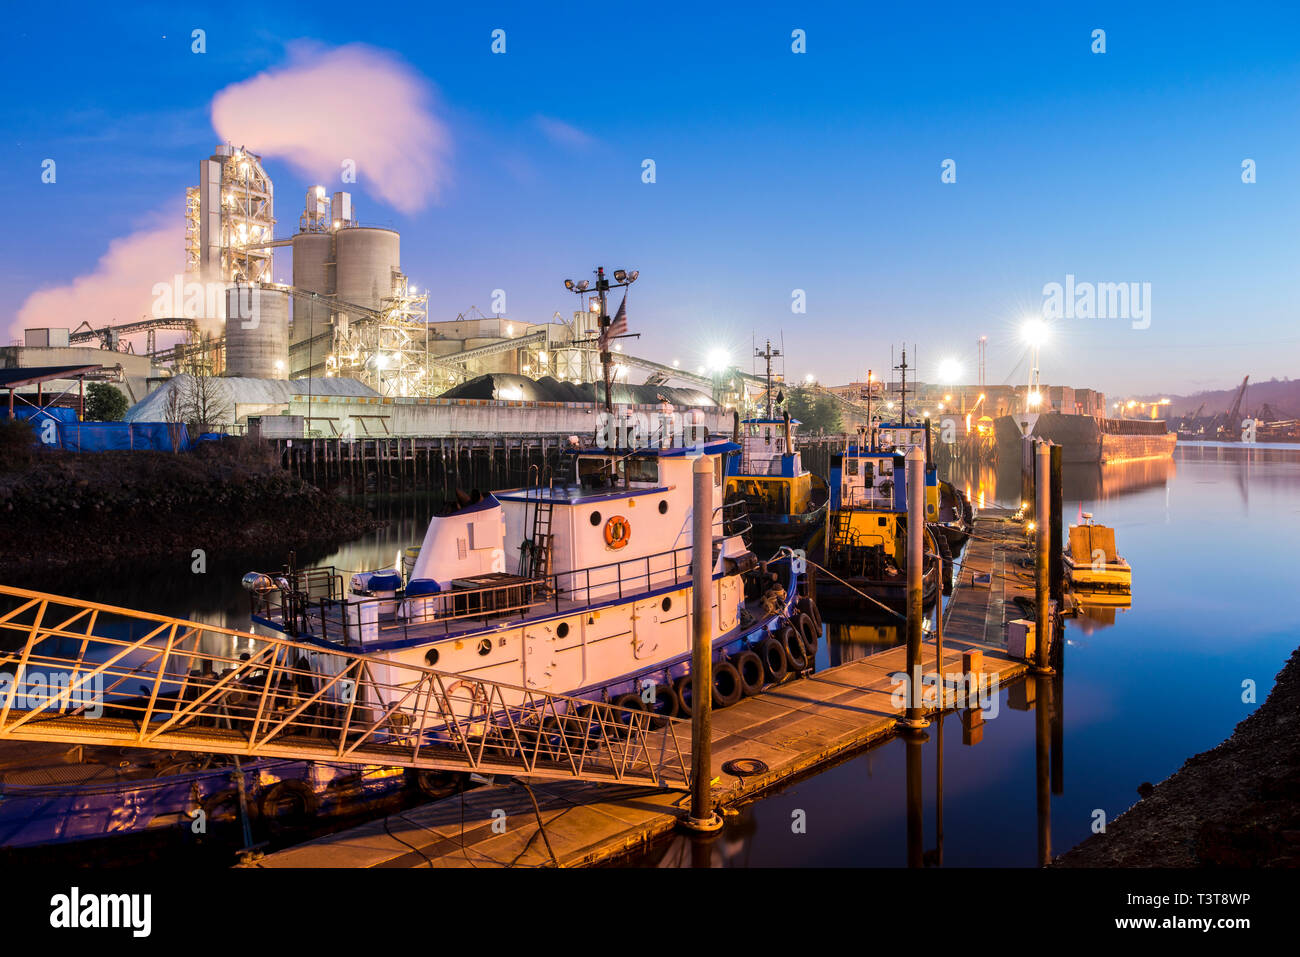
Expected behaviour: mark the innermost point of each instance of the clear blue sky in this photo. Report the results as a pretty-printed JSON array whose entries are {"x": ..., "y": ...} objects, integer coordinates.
[{"x": 775, "y": 171}]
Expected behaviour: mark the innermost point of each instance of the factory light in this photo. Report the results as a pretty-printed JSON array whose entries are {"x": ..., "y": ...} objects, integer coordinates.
[
  {"x": 1035, "y": 398},
  {"x": 583, "y": 285},
  {"x": 631, "y": 277},
  {"x": 620, "y": 275},
  {"x": 618, "y": 347},
  {"x": 718, "y": 360},
  {"x": 676, "y": 364},
  {"x": 510, "y": 329},
  {"x": 949, "y": 371},
  {"x": 568, "y": 284},
  {"x": 810, "y": 378},
  {"x": 1034, "y": 332},
  {"x": 595, "y": 305}
]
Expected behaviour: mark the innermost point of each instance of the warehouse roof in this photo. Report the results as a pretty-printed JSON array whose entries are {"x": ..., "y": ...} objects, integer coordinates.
[
  {"x": 237, "y": 390},
  {"x": 546, "y": 389}
]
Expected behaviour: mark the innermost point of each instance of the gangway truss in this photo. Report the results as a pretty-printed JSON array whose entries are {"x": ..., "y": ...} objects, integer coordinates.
[{"x": 80, "y": 672}]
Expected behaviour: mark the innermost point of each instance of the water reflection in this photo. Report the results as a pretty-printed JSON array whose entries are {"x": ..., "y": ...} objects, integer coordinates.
[{"x": 999, "y": 484}]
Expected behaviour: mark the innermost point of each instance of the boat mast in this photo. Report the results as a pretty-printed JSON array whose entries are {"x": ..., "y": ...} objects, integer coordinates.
[
  {"x": 768, "y": 354},
  {"x": 902, "y": 392}
]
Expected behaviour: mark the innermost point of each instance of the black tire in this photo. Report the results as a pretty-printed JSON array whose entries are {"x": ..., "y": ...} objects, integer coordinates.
[
  {"x": 682, "y": 686},
  {"x": 727, "y": 686},
  {"x": 795, "y": 652},
  {"x": 666, "y": 705},
  {"x": 434, "y": 784},
  {"x": 809, "y": 608},
  {"x": 752, "y": 675},
  {"x": 629, "y": 702},
  {"x": 811, "y": 634},
  {"x": 222, "y": 810},
  {"x": 776, "y": 663},
  {"x": 288, "y": 806}
]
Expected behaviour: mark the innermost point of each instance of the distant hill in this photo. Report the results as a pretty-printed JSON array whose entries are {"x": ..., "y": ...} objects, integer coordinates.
[{"x": 1282, "y": 394}]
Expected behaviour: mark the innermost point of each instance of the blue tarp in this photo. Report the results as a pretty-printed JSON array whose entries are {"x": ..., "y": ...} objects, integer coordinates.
[
  {"x": 105, "y": 436},
  {"x": 58, "y": 413}
]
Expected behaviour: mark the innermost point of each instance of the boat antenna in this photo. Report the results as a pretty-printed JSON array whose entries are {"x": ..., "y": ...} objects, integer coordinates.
[
  {"x": 902, "y": 391},
  {"x": 768, "y": 354}
]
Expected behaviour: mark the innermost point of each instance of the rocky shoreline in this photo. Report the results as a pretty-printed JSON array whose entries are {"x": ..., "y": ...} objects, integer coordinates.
[
  {"x": 1236, "y": 805},
  {"x": 64, "y": 513}
]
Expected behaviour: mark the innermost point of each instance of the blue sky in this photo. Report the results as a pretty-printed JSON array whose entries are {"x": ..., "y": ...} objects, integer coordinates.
[{"x": 775, "y": 171}]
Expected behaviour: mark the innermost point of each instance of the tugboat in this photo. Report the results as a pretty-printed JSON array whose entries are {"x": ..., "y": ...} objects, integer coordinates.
[
  {"x": 866, "y": 538},
  {"x": 1091, "y": 562},
  {"x": 786, "y": 504},
  {"x": 598, "y": 606}
]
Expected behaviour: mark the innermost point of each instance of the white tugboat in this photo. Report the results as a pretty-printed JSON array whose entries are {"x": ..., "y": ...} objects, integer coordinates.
[{"x": 581, "y": 588}]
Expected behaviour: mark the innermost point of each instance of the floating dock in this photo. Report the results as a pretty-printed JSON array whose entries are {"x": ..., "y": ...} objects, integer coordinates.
[{"x": 793, "y": 728}]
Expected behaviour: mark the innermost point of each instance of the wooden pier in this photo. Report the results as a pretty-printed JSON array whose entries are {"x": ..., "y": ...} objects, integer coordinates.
[
  {"x": 401, "y": 464},
  {"x": 793, "y": 728}
]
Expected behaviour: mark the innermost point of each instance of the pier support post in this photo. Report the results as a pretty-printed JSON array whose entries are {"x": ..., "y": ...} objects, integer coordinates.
[
  {"x": 914, "y": 715},
  {"x": 702, "y": 816},
  {"x": 1043, "y": 562}
]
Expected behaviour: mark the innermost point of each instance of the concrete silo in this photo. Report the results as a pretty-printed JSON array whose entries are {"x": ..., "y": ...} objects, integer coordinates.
[
  {"x": 257, "y": 332},
  {"x": 367, "y": 259},
  {"x": 313, "y": 271}
]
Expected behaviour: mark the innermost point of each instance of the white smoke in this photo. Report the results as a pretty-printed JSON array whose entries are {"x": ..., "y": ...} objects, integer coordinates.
[
  {"x": 121, "y": 286},
  {"x": 327, "y": 108}
]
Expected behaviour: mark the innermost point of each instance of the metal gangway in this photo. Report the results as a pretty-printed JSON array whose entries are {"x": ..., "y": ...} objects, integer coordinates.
[{"x": 80, "y": 672}]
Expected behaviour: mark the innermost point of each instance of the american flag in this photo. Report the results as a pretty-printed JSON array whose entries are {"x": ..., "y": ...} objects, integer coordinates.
[{"x": 618, "y": 327}]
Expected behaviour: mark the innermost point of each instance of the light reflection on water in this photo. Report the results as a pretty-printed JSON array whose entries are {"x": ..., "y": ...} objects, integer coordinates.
[
  {"x": 1209, "y": 535},
  {"x": 1142, "y": 689}
]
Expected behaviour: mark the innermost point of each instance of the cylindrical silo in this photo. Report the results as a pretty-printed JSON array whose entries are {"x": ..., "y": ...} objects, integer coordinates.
[
  {"x": 257, "y": 332},
  {"x": 313, "y": 266},
  {"x": 366, "y": 260}
]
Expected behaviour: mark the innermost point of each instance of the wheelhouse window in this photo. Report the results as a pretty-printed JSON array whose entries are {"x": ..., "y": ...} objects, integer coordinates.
[{"x": 643, "y": 470}]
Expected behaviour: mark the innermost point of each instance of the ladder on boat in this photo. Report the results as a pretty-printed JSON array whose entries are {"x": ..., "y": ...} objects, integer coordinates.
[{"x": 86, "y": 673}]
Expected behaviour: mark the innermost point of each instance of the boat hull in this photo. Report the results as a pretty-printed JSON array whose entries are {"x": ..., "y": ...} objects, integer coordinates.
[
  {"x": 845, "y": 596},
  {"x": 1088, "y": 439}
]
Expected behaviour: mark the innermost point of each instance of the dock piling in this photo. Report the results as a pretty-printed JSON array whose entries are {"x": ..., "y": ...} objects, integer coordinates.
[
  {"x": 1043, "y": 562},
  {"x": 914, "y": 716},
  {"x": 702, "y": 817}
]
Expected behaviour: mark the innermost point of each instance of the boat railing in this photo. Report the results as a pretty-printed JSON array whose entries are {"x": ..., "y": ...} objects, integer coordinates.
[
  {"x": 357, "y": 621},
  {"x": 868, "y": 497}
]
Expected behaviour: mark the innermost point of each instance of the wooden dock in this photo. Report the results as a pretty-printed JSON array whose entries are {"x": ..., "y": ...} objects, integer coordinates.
[{"x": 793, "y": 728}]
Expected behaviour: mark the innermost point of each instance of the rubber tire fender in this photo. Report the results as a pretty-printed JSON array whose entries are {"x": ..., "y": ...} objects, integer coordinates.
[
  {"x": 752, "y": 674},
  {"x": 809, "y": 608},
  {"x": 667, "y": 705},
  {"x": 295, "y": 790},
  {"x": 727, "y": 686},
  {"x": 682, "y": 686},
  {"x": 794, "y": 647},
  {"x": 631, "y": 702},
  {"x": 776, "y": 663},
  {"x": 810, "y": 633}
]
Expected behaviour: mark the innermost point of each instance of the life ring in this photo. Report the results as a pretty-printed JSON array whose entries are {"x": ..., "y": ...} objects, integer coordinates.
[{"x": 618, "y": 532}]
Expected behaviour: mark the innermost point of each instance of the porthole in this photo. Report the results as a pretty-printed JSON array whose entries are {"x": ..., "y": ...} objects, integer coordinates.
[
  {"x": 666, "y": 603},
  {"x": 485, "y": 646},
  {"x": 431, "y": 657},
  {"x": 595, "y": 518},
  {"x": 663, "y": 506},
  {"x": 562, "y": 630}
]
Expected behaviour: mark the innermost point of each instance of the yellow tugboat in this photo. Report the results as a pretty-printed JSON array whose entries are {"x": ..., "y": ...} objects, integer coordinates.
[{"x": 785, "y": 502}]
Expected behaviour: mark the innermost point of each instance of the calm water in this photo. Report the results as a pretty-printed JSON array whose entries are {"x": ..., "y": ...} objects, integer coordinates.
[{"x": 1209, "y": 536}]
